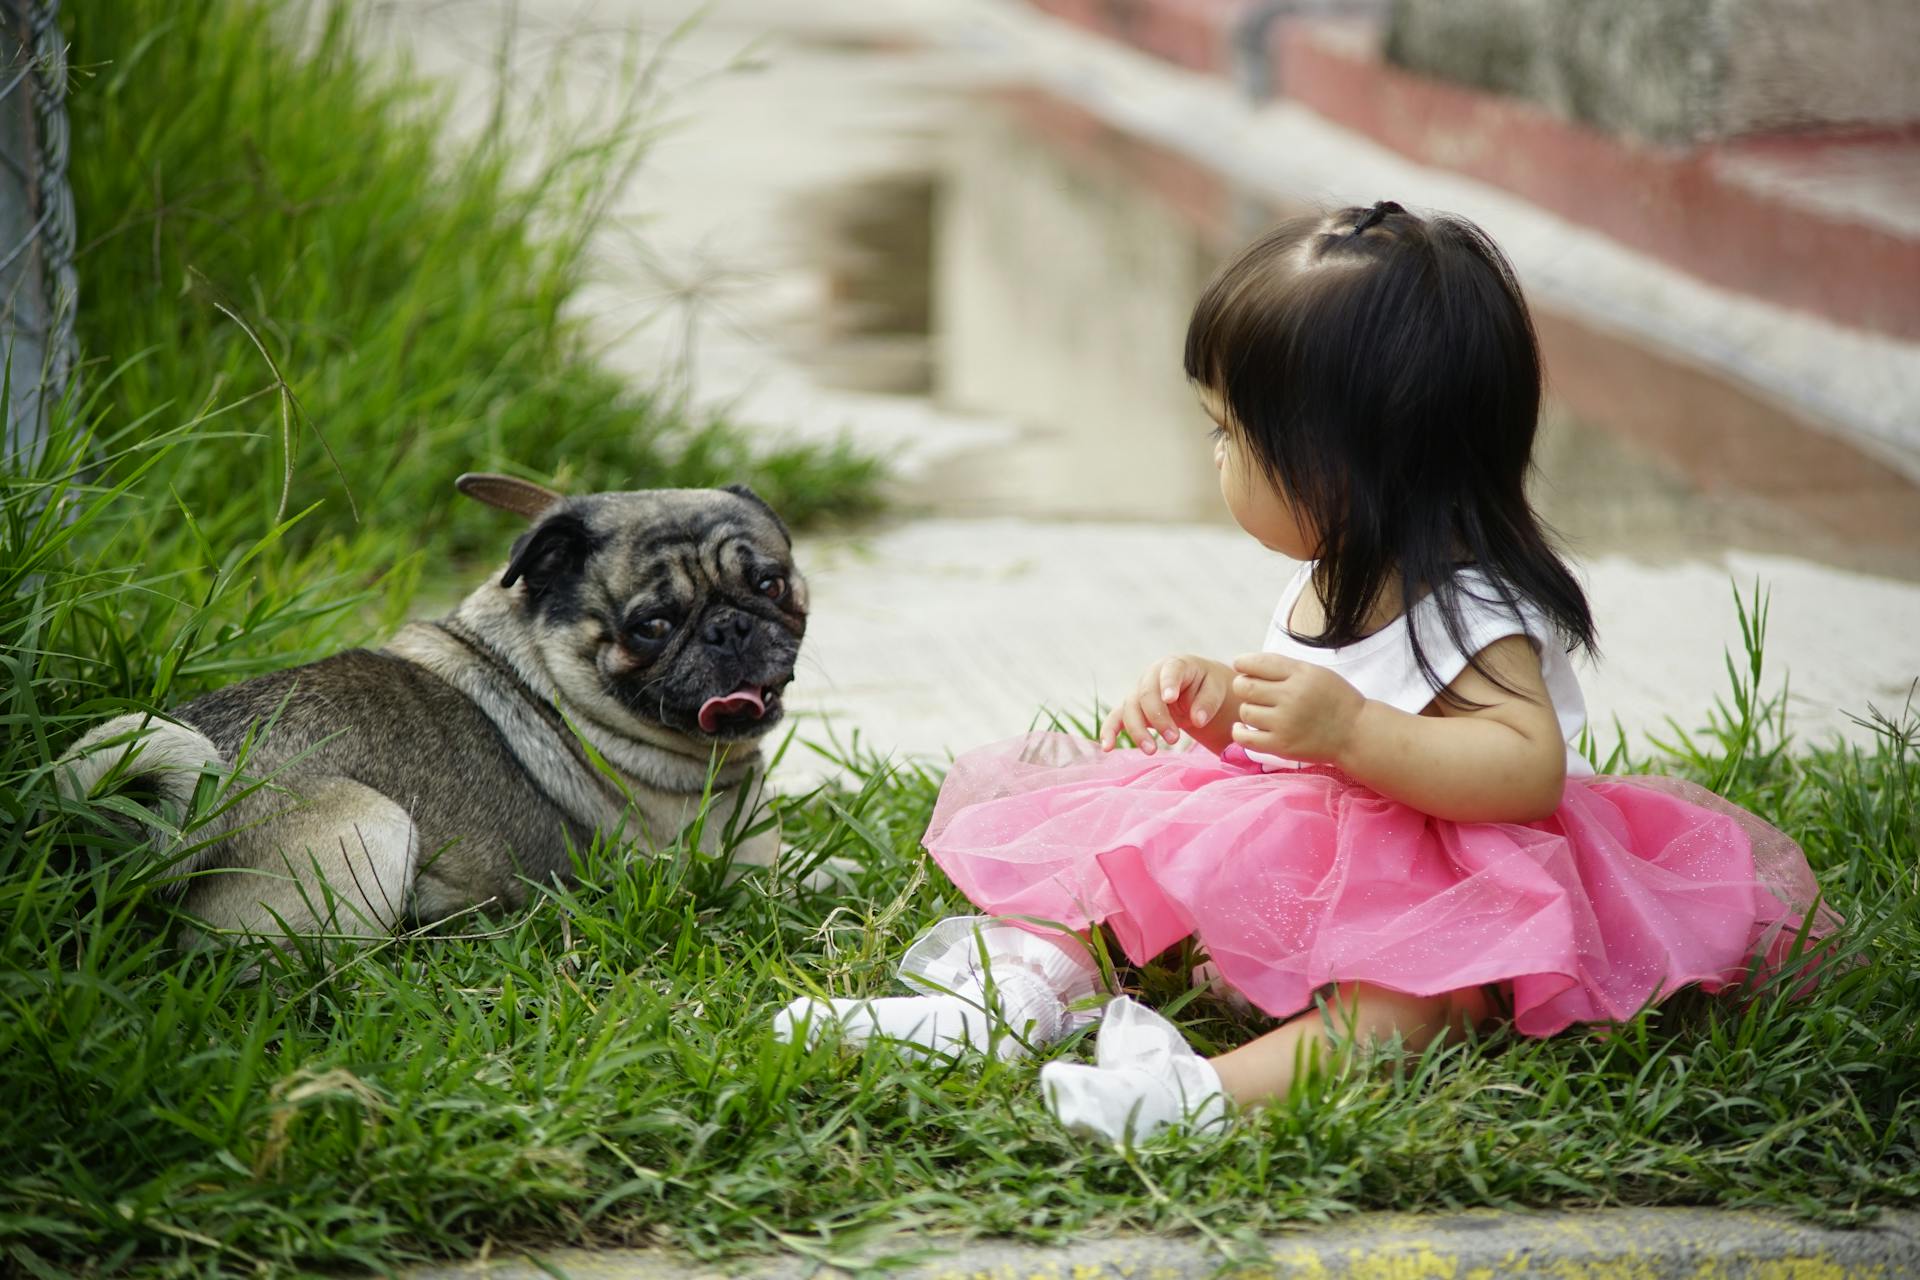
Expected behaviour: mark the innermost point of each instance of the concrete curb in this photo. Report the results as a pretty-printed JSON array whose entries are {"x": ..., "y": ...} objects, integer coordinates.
[{"x": 1614, "y": 1244}]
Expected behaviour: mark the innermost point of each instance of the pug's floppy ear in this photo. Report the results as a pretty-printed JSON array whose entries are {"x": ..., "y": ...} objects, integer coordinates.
[
  {"x": 742, "y": 491},
  {"x": 551, "y": 552},
  {"x": 508, "y": 493}
]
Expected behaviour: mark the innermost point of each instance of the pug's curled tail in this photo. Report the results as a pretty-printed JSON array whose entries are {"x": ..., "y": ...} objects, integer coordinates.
[{"x": 163, "y": 757}]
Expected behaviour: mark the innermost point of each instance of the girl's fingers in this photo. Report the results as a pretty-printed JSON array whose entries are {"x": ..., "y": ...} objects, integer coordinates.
[
  {"x": 1110, "y": 729},
  {"x": 1254, "y": 692},
  {"x": 1173, "y": 679},
  {"x": 1137, "y": 726},
  {"x": 1265, "y": 666},
  {"x": 1261, "y": 737},
  {"x": 1157, "y": 715},
  {"x": 1205, "y": 702}
]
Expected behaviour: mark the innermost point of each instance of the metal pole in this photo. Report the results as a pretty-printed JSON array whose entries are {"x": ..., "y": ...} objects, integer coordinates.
[{"x": 38, "y": 286}]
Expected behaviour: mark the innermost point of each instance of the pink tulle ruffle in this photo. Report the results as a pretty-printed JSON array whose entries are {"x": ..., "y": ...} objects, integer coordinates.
[{"x": 1634, "y": 888}]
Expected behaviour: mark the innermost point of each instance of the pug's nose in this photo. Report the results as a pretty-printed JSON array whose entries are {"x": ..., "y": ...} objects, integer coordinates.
[{"x": 729, "y": 631}]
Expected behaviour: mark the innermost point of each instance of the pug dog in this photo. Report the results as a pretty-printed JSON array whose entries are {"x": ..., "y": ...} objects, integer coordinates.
[{"x": 617, "y": 677}]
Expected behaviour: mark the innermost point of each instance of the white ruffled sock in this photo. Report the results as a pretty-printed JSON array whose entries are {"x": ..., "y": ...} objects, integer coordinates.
[
  {"x": 1035, "y": 978},
  {"x": 1147, "y": 1078},
  {"x": 1027, "y": 1013}
]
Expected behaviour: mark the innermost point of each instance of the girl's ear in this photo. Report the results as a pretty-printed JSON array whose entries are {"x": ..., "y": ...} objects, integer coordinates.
[{"x": 550, "y": 556}]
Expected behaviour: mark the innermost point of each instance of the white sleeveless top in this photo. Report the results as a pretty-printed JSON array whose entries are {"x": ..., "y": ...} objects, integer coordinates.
[{"x": 1381, "y": 665}]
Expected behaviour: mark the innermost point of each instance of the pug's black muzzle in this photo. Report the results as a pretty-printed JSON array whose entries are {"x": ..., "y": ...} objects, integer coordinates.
[{"x": 728, "y": 682}]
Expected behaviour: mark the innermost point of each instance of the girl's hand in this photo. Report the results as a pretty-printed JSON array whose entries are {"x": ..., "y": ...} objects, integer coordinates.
[
  {"x": 1294, "y": 709},
  {"x": 1183, "y": 691}
]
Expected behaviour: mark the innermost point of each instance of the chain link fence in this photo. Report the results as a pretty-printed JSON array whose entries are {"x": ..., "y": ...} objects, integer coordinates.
[{"x": 38, "y": 287}]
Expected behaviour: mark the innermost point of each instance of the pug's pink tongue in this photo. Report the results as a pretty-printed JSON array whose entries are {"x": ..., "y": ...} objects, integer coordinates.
[{"x": 741, "y": 699}]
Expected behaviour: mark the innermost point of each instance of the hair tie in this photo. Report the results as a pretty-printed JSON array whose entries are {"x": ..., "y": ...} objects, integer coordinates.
[{"x": 1375, "y": 215}]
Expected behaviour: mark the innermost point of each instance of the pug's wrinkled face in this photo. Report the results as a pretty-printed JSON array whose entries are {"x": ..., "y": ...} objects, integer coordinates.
[{"x": 674, "y": 609}]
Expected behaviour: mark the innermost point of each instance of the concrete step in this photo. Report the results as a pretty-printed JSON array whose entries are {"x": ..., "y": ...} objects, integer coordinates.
[
  {"x": 1628, "y": 1244},
  {"x": 1825, "y": 221}
]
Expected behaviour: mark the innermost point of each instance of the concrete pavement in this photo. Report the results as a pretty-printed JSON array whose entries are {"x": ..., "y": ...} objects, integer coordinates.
[
  {"x": 1055, "y": 404},
  {"x": 934, "y": 635},
  {"x": 1613, "y": 1244}
]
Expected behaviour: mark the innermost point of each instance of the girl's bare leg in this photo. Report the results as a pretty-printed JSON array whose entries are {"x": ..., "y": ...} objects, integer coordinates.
[{"x": 1357, "y": 1015}]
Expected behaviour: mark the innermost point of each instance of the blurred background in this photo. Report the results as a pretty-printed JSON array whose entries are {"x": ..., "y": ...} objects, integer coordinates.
[{"x": 962, "y": 237}]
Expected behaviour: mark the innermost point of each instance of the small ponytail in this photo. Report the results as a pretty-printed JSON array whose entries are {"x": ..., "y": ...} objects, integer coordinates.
[{"x": 1374, "y": 216}]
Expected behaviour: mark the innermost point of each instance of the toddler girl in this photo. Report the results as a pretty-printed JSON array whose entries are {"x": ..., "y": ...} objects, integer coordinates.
[{"x": 1386, "y": 813}]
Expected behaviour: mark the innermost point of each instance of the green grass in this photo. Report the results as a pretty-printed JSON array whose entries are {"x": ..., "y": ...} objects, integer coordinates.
[
  {"x": 597, "y": 1068},
  {"x": 276, "y": 227}
]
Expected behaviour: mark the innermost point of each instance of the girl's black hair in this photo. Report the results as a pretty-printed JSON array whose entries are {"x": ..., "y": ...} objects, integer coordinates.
[{"x": 1383, "y": 368}]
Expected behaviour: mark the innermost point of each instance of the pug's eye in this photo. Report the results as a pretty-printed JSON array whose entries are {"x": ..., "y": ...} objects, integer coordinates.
[
  {"x": 773, "y": 587},
  {"x": 650, "y": 629}
]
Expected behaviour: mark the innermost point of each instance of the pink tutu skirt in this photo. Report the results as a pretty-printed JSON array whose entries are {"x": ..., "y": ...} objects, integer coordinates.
[{"x": 1634, "y": 888}]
